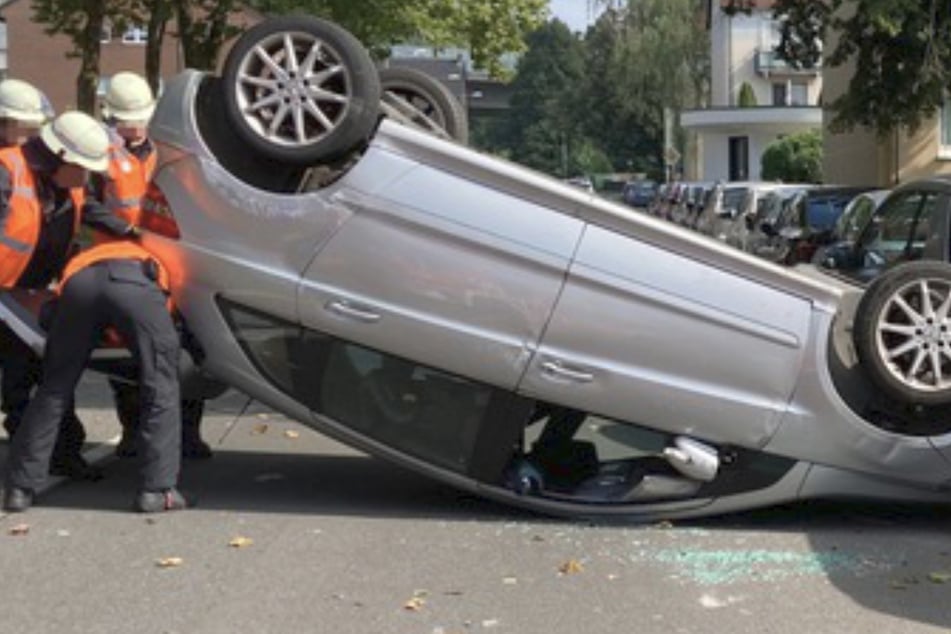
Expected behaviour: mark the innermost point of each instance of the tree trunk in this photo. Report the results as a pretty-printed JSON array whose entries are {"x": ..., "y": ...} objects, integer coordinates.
[
  {"x": 158, "y": 11},
  {"x": 88, "y": 79}
]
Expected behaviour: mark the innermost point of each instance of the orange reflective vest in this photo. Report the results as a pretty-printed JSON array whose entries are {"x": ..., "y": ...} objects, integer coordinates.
[
  {"x": 21, "y": 228},
  {"x": 126, "y": 185},
  {"x": 123, "y": 249}
]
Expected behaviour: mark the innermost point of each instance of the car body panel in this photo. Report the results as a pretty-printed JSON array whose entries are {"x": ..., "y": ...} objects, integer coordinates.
[{"x": 650, "y": 326}]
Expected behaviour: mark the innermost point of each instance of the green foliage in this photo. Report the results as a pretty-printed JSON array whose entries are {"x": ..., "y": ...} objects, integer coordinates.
[
  {"x": 489, "y": 29},
  {"x": 642, "y": 58},
  {"x": 901, "y": 51},
  {"x": 796, "y": 158},
  {"x": 543, "y": 127},
  {"x": 746, "y": 98}
]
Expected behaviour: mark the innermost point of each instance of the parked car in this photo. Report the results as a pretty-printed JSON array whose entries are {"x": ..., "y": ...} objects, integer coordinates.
[
  {"x": 806, "y": 220},
  {"x": 911, "y": 223},
  {"x": 730, "y": 205},
  {"x": 581, "y": 182},
  {"x": 502, "y": 331},
  {"x": 857, "y": 214},
  {"x": 639, "y": 193}
]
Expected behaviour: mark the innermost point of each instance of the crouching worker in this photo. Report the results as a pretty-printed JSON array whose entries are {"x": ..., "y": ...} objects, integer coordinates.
[
  {"x": 41, "y": 208},
  {"x": 119, "y": 285}
]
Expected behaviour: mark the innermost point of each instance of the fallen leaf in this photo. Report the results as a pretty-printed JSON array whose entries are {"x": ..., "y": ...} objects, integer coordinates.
[
  {"x": 537, "y": 538},
  {"x": 169, "y": 562},
  {"x": 19, "y": 529},
  {"x": 571, "y": 567},
  {"x": 240, "y": 542},
  {"x": 290, "y": 433},
  {"x": 509, "y": 581},
  {"x": 260, "y": 428},
  {"x": 263, "y": 416},
  {"x": 664, "y": 525},
  {"x": 487, "y": 623},
  {"x": 415, "y": 604},
  {"x": 62, "y": 533},
  {"x": 939, "y": 577}
]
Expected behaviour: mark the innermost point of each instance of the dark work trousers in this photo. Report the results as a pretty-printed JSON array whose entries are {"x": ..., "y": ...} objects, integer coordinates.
[
  {"x": 120, "y": 294},
  {"x": 21, "y": 372}
]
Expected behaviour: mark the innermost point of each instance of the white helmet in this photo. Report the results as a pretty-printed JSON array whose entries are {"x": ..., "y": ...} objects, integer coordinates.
[
  {"x": 128, "y": 98},
  {"x": 77, "y": 138},
  {"x": 22, "y": 102}
]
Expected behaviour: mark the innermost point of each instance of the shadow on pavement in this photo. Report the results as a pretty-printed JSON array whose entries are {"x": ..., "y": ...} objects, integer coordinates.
[{"x": 258, "y": 482}]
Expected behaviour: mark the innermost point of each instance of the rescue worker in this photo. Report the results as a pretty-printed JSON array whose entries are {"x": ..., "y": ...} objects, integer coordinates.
[
  {"x": 41, "y": 205},
  {"x": 118, "y": 284},
  {"x": 127, "y": 107}
]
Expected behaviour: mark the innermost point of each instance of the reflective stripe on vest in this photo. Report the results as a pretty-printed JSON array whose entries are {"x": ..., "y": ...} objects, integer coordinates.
[
  {"x": 122, "y": 249},
  {"x": 126, "y": 185},
  {"x": 20, "y": 230}
]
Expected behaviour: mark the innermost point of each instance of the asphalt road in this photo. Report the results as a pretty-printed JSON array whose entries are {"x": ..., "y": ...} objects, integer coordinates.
[{"x": 295, "y": 533}]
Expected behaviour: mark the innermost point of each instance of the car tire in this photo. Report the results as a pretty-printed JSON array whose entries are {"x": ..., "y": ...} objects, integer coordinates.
[
  {"x": 425, "y": 101},
  {"x": 319, "y": 106},
  {"x": 902, "y": 333}
]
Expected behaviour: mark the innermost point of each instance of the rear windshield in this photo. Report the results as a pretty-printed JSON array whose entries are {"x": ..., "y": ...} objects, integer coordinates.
[{"x": 822, "y": 213}]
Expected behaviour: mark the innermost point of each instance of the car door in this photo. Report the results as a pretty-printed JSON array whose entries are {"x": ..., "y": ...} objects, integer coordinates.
[
  {"x": 444, "y": 270},
  {"x": 648, "y": 336}
]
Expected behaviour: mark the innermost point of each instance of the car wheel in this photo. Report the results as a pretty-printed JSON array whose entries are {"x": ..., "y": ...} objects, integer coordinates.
[
  {"x": 425, "y": 101},
  {"x": 902, "y": 333},
  {"x": 301, "y": 90}
]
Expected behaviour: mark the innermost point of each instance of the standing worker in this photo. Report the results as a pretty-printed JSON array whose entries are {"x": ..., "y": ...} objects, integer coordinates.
[
  {"x": 41, "y": 206},
  {"x": 127, "y": 108},
  {"x": 118, "y": 284}
]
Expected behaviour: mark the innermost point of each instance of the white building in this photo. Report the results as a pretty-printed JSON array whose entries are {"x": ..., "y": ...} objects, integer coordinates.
[{"x": 730, "y": 140}]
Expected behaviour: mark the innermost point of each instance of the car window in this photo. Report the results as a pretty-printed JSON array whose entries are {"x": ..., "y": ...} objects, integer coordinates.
[
  {"x": 899, "y": 232},
  {"x": 734, "y": 198},
  {"x": 821, "y": 213},
  {"x": 851, "y": 224}
]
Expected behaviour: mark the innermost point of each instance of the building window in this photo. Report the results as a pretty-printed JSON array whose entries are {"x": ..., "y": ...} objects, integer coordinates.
[
  {"x": 789, "y": 93},
  {"x": 135, "y": 35}
]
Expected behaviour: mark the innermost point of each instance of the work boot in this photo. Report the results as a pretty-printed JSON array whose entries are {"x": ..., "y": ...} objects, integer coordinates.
[
  {"x": 160, "y": 501},
  {"x": 17, "y": 500}
]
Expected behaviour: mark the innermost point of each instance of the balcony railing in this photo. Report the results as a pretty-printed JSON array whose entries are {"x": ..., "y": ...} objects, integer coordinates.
[{"x": 768, "y": 63}]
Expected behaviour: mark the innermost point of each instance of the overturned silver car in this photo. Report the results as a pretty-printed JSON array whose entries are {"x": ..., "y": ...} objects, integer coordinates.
[{"x": 513, "y": 335}]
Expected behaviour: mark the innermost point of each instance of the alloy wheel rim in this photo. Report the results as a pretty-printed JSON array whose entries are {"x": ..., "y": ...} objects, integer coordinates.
[
  {"x": 293, "y": 89},
  {"x": 913, "y": 335}
]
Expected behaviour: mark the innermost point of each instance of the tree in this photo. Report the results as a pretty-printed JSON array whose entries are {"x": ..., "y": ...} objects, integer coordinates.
[
  {"x": 796, "y": 158},
  {"x": 543, "y": 126},
  {"x": 82, "y": 21},
  {"x": 644, "y": 57},
  {"x": 488, "y": 29},
  {"x": 746, "y": 98},
  {"x": 901, "y": 51},
  {"x": 203, "y": 27}
]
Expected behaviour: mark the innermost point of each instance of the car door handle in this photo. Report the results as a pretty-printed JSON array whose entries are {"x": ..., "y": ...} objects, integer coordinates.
[
  {"x": 557, "y": 370},
  {"x": 357, "y": 313}
]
